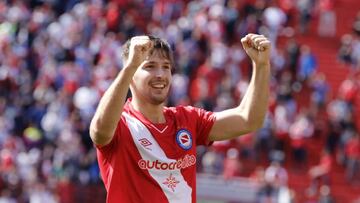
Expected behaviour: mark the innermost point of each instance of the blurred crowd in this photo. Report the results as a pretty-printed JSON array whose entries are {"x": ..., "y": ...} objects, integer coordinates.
[
  {"x": 349, "y": 52},
  {"x": 58, "y": 57}
]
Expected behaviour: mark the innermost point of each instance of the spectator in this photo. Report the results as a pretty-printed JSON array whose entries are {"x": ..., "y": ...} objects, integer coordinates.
[
  {"x": 327, "y": 18},
  {"x": 319, "y": 174},
  {"x": 265, "y": 192},
  {"x": 264, "y": 139},
  {"x": 300, "y": 130},
  {"x": 274, "y": 179},
  {"x": 319, "y": 95},
  {"x": 338, "y": 110},
  {"x": 276, "y": 175},
  {"x": 288, "y": 7},
  {"x": 304, "y": 8},
  {"x": 274, "y": 19},
  {"x": 345, "y": 50},
  {"x": 356, "y": 24},
  {"x": 282, "y": 122},
  {"x": 348, "y": 90},
  {"x": 355, "y": 55},
  {"x": 325, "y": 195},
  {"x": 212, "y": 162},
  {"x": 352, "y": 152},
  {"x": 307, "y": 64},
  {"x": 232, "y": 165},
  {"x": 332, "y": 137},
  {"x": 292, "y": 56}
]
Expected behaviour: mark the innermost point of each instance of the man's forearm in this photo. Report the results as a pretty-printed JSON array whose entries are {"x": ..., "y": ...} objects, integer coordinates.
[
  {"x": 255, "y": 102},
  {"x": 250, "y": 113},
  {"x": 110, "y": 107}
]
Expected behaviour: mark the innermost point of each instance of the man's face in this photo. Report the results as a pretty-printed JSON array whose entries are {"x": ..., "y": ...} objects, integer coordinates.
[{"x": 151, "y": 82}]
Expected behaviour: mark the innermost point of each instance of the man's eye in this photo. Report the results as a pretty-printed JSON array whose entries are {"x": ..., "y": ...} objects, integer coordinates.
[
  {"x": 149, "y": 67},
  {"x": 166, "y": 67}
]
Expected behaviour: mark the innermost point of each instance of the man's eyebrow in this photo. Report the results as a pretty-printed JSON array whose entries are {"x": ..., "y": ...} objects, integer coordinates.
[{"x": 164, "y": 63}]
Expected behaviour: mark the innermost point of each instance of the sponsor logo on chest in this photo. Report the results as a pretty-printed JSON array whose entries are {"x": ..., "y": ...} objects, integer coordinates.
[{"x": 187, "y": 161}]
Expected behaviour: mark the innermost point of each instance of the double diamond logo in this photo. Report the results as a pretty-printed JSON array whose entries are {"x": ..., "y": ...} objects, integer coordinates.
[{"x": 145, "y": 143}]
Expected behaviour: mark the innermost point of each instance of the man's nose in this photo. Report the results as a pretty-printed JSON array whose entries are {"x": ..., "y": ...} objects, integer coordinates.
[{"x": 160, "y": 72}]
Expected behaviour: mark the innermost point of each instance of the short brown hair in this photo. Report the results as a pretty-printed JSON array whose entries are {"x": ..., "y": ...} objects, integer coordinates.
[{"x": 159, "y": 45}]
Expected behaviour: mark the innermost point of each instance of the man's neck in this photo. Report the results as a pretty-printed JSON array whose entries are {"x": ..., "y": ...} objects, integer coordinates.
[{"x": 152, "y": 112}]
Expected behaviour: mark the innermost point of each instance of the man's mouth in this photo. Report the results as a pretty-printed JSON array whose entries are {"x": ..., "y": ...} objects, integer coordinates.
[{"x": 158, "y": 85}]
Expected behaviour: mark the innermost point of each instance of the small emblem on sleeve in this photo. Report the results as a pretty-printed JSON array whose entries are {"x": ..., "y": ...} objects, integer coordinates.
[{"x": 184, "y": 139}]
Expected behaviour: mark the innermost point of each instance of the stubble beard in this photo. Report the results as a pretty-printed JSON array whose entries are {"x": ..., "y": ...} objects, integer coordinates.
[
  {"x": 150, "y": 97},
  {"x": 158, "y": 99}
]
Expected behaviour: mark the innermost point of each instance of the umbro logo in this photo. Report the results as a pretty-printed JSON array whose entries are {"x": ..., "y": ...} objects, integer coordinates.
[{"x": 145, "y": 143}]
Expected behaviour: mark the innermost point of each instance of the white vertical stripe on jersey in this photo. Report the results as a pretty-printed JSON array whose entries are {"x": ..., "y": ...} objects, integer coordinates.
[{"x": 138, "y": 130}]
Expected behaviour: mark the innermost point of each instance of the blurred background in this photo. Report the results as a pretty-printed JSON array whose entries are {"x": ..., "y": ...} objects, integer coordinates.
[{"x": 58, "y": 57}]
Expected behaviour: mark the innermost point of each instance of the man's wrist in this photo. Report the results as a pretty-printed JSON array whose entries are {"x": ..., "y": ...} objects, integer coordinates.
[
  {"x": 130, "y": 67},
  {"x": 262, "y": 65},
  {"x": 128, "y": 70}
]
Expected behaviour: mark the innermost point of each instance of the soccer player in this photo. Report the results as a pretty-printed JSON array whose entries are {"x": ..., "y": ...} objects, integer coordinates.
[{"x": 146, "y": 151}]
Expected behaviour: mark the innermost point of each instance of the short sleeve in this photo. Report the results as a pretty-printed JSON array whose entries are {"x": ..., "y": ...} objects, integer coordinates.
[
  {"x": 107, "y": 150},
  {"x": 205, "y": 121}
]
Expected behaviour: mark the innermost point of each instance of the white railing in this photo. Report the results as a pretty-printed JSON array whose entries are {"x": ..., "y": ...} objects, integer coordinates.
[
  {"x": 217, "y": 188},
  {"x": 239, "y": 189}
]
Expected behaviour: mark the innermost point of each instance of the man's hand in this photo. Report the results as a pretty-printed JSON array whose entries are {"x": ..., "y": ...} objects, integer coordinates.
[
  {"x": 139, "y": 50},
  {"x": 257, "y": 48}
]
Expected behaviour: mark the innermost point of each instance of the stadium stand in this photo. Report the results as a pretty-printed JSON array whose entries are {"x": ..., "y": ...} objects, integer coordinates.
[{"x": 57, "y": 57}]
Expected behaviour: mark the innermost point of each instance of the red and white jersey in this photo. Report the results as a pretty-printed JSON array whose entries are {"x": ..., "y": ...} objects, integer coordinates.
[{"x": 147, "y": 162}]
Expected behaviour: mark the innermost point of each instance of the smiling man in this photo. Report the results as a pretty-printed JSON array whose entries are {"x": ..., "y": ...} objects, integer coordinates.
[{"x": 146, "y": 151}]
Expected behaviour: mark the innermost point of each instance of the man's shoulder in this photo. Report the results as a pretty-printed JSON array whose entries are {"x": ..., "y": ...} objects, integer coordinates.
[
  {"x": 182, "y": 109},
  {"x": 189, "y": 112}
]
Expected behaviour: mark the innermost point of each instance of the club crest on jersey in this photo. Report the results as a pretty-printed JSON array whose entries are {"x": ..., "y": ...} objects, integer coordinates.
[{"x": 184, "y": 139}]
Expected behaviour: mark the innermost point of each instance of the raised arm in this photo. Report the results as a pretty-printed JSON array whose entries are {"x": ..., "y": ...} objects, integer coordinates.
[
  {"x": 108, "y": 112},
  {"x": 250, "y": 113}
]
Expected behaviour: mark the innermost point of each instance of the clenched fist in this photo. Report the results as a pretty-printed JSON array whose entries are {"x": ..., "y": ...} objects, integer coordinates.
[
  {"x": 140, "y": 47},
  {"x": 257, "y": 48}
]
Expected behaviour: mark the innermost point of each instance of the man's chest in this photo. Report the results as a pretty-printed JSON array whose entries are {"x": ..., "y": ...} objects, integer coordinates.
[{"x": 175, "y": 140}]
